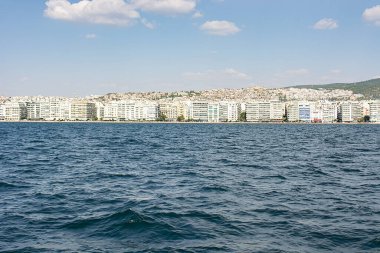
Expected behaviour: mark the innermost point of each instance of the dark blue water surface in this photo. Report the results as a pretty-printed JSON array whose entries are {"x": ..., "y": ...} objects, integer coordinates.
[{"x": 88, "y": 187}]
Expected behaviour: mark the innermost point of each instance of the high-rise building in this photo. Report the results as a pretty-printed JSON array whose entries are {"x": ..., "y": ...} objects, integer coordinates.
[
  {"x": 304, "y": 110},
  {"x": 329, "y": 112},
  {"x": 277, "y": 111},
  {"x": 292, "y": 111},
  {"x": 199, "y": 111},
  {"x": 258, "y": 111},
  {"x": 213, "y": 112},
  {"x": 2, "y": 111},
  {"x": 374, "y": 111},
  {"x": 351, "y": 111},
  {"x": 15, "y": 111},
  {"x": 81, "y": 110},
  {"x": 33, "y": 110},
  {"x": 146, "y": 111},
  {"x": 111, "y": 111},
  {"x": 170, "y": 110}
]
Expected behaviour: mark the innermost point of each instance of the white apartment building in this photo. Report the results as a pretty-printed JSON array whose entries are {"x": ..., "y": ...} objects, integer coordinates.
[
  {"x": 351, "y": 111},
  {"x": 33, "y": 110},
  {"x": 277, "y": 111},
  {"x": 186, "y": 110},
  {"x": 146, "y": 111},
  {"x": 213, "y": 112},
  {"x": 229, "y": 111},
  {"x": 374, "y": 110},
  {"x": 258, "y": 111},
  {"x": 299, "y": 111},
  {"x": 15, "y": 111},
  {"x": 329, "y": 112},
  {"x": 292, "y": 111},
  {"x": 2, "y": 111},
  {"x": 64, "y": 110},
  {"x": 126, "y": 110},
  {"x": 55, "y": 109},
  {"x": 48, "y": 110},
  {"x": 170, "y": 110},
  {"x": 99, "y": 110},
  {"x": 111, "y": 111},
  {"x": 81, "y": 110},
  {"x": 199, "y": 111}
]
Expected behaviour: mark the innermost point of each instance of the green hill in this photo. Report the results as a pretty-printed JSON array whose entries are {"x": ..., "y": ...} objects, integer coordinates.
[{"x": 370, "y": 89}]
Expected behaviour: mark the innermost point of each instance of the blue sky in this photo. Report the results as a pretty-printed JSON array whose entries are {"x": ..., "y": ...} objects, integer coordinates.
[{"x": 77, "y": 48}]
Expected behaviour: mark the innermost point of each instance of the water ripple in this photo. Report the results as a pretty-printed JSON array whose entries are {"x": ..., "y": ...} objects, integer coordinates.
[{"x": 82, "y": 187}]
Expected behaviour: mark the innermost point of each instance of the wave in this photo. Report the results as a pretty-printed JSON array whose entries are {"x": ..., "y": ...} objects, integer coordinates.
[{"x": 123, "y": 224}]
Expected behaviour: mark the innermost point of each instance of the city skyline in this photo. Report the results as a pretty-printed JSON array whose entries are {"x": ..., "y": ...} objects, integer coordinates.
[{"x": 78, "y": 48}]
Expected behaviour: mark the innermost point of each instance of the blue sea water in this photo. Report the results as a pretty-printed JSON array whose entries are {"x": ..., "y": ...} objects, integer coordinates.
[{"x": 93, "y": 187}]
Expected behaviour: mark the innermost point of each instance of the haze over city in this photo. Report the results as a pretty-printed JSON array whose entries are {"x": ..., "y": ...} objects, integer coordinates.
[{"x": 78, "y": 48}]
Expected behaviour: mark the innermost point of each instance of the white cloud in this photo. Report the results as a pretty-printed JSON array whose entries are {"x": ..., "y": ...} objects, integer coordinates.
[
  {"x": 326, "y": 24},
  {"x": 148, "y": 24},
  {"x": 198, "y": 14},
  {"x": 372, "y": 15},
  {"x": 220, "y": 28},
  {"x": 115, "y": 12},
  {"x": 90, "y": 36},
  {"x": 170, "y": 7},
  {"x": 109, "y": 12},
  {"x": 217, "y": 75}
]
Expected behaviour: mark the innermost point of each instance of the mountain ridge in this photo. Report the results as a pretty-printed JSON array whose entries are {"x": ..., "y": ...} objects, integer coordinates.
[{"x": 370, "y": 89}]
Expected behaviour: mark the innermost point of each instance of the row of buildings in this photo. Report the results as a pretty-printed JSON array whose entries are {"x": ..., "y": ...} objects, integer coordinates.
[{"x": 198, "y": 111}]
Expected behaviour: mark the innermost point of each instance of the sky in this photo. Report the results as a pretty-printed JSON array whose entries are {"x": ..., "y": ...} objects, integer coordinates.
[{"x": 94, "y": 47}]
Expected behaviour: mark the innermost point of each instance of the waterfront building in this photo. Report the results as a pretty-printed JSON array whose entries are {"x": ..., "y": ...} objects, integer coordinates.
[
  {"x": 15, "y": 111},
  {"x": 33, "y": 110},
  {"x": 146, "y": 111},
  {"x": 199, "y": 111},
  {"x": 292, "y": 111},
  {"x": 351, "y": 111},
  {"x": 304, "y": 110},
  {"x": 99, "y": 110},
  {"x": 299, "y": 111},
  {"x": 111, "y": 111},
  {"x": 213, "y": 112},
  {"x": 55, "y": 108},
  {"x": 374, "y": 110},
  {"x": 81, "y": 110},
  {"x": 258, "y": 111},
  {"x": 277, "y": 111},
  {"x": 64, "y": 110},
  {"x": 223, "y": 111},
  {"x": 2, "y": 111},
  {"x": 316, "y": 112},
  {"x": 45, "y": 110},
  {"x": 170, "y": 110},
  {"x": 329, "y": 112},
  {"x": 234, "y": 110},
  {"x": 126, "y": 110},
  {"x": 185, "y": 109}
]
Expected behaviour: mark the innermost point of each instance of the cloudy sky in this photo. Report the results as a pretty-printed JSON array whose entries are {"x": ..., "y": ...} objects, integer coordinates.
[{"x": 84, "y": 47}]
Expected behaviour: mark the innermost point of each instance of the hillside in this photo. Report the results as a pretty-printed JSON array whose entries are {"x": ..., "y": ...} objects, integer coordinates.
[{"x": 370, "y": 89}]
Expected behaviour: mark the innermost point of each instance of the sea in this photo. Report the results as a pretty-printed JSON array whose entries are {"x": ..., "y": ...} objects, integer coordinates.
[{"x": 104, "y": 187}]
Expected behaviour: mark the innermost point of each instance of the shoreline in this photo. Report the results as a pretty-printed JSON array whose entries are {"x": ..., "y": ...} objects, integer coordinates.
[{"x": 176, "y": 122}]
